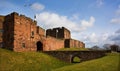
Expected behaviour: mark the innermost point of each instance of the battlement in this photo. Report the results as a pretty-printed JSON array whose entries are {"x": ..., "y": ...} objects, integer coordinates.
[
  {"x": 59, "y": 32},
  {"x": 15, "y": 14},
  {"x": 74, "y": 43}
]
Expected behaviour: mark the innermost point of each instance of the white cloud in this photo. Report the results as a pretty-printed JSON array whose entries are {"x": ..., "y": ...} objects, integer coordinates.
[
  {"x": 115, "y": 37},
  {"x": 37, "y": 6},
  {"x": 104, "y": 37},
  {"x": 89, "y": 23},
  {"x": 51, "y": 20},
  {"x": 75, "y": 17},
  {"x": 93, "y": 38},
  {"x": 115, "y": 21},
  {"x": 96, "y": 39},
  {"x": 101, "y": 39}
]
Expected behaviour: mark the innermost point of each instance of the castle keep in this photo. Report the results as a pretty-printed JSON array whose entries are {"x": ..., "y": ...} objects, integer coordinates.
[{"x": 20, "y": 33}]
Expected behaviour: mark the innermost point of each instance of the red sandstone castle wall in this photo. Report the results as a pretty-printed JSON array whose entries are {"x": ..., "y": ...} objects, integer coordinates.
[
  {"x": 40, "y": 31},
  {"x": 26, "y": 33},
  {"x": 76, "y": 43},
  {"x": 60, "y": 33},
  {"x": 67, "y": 34},
  {"x": 22, "y": 33},
  {"x": 70, "y": 43},
  {"x": 53, "y": 44}
]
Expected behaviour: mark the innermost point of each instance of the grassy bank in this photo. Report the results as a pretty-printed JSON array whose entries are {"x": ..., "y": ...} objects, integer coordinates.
[
  {"x": 37, "y": 61},
  {"x": 27, "y": 61},
  {"x": 111, "y": 62}
]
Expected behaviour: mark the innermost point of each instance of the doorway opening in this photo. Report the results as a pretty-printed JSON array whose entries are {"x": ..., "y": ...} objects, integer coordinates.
[{"x": 39, "y": 46}]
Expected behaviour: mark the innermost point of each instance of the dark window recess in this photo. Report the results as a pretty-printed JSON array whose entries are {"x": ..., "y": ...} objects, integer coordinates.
[
  {"x": 23, "y": 45},
  {"x": 32, "y": 34}
]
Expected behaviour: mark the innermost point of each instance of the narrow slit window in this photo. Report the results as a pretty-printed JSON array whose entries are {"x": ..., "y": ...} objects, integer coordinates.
[{"x": 23, "y": 45}]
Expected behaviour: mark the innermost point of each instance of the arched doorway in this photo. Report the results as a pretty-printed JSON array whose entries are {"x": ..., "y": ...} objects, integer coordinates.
[
  {"x": 75, "y": 59},
  {"x": 39, "y": 46}
]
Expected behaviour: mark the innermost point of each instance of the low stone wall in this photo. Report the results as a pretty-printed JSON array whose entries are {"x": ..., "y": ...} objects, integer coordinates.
[{"x": 68, "y": 56}]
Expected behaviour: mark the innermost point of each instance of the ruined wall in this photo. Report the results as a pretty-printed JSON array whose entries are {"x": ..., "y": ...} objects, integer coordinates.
[
  {"x": 61, "y": 33},
  {"x": 1, "y": 30},
  {"x": 71, "y": 43},
  {"x": 53, "y": 44}
]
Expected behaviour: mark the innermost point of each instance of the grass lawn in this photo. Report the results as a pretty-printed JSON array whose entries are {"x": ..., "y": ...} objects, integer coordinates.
[
  {"x": 37, "y": 61},
  {"x": 28, "y": 61},
  {"x": 111, "y": 62}
]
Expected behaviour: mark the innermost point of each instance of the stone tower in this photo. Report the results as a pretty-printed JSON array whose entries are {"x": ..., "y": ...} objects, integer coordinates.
[{"x": 60, "y": 33}]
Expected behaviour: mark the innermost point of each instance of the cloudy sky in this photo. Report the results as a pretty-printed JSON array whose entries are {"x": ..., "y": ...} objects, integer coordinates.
[{"x": 95, "y": 22}]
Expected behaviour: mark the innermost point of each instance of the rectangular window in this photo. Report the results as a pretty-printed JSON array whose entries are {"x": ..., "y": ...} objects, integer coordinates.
[
  {"x": 32, "y": 34},
  {"x": 23, "y": 45}
]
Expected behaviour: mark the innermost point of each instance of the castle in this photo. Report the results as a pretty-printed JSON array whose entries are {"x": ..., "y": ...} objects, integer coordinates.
[{"x": 20, "y": 33}]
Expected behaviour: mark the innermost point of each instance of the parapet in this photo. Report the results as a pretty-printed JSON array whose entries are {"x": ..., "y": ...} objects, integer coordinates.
[
  {"x": 22, "y": 16},
  {"x": 59, "y": 32}
]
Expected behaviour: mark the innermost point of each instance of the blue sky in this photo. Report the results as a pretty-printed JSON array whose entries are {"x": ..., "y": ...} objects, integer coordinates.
[{"x": 94, "y": 22}]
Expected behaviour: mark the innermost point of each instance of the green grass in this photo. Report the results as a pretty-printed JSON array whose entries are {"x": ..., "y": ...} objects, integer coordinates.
[
  {"x": 76, "y": 59},
  {"x": 37, "y": 61},
  {"x": 108, "y": 63},
  {"x": 73, "y": 49},
  {"x": 27, "y": 61}
]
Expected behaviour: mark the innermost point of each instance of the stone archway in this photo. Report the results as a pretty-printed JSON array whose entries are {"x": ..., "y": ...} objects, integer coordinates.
[
  {"x": 39, "y": 46},
  {"x": 75, "y": 59}
]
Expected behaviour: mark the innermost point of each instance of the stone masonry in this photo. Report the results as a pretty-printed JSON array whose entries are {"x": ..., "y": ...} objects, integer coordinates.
[
  {"x": 20, "y": 33},
  {"x": 60, "y": 33}
]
